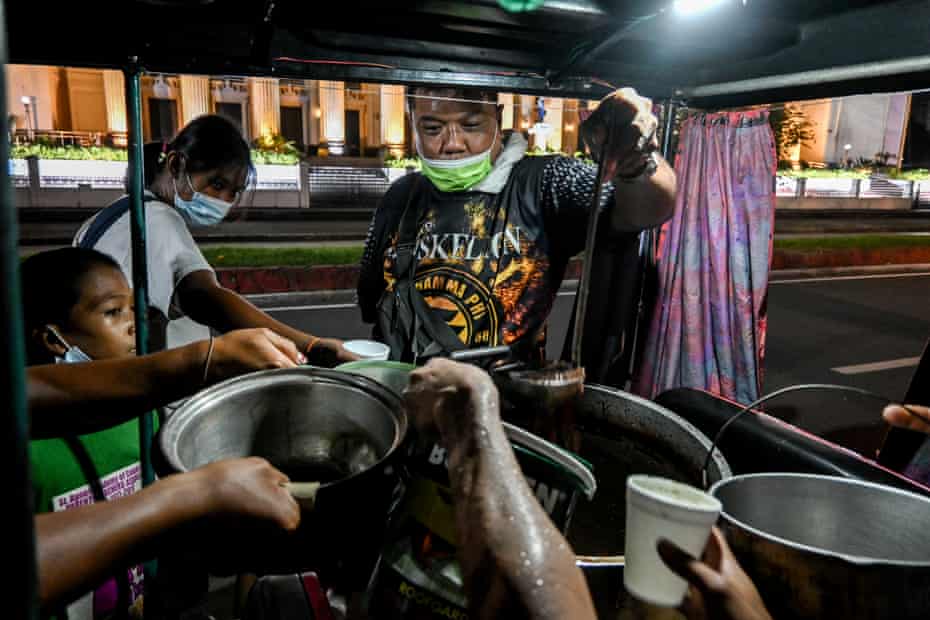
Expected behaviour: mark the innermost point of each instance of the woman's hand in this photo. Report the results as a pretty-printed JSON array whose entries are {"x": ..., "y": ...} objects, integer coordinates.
[
  {"x": 248, "y": 350},
  {"x": 329, "y": 352}
]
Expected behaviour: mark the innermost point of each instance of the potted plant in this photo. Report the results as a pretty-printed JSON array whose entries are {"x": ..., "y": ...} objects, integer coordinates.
[{"x": 792, "y": 130}]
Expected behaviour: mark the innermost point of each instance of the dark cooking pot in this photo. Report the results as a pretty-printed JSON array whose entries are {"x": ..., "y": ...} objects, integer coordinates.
[
  {"x": 830, "y": 547},
  {"x": 343, "y": 430},
  {"x": 621, "y": 435}
]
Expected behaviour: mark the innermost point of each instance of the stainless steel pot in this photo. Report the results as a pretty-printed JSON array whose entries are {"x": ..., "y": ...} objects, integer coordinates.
[
  {"x": 316, "y": 425},
  {"x": 830, "y": 547}
]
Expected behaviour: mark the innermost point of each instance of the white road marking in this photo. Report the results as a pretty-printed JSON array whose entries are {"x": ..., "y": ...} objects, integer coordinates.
[
  {"x": 836, "y": 278},
  {"x": 311, "y": 307},
  {"x": 859, "y": 369}
]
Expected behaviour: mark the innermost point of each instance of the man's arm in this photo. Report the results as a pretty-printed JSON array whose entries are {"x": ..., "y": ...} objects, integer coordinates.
[
  {"x": 645, "y": 202},
  {"x": 67, "y": 399},
  {"x": 623, "y": 132},
  {"x": 77, "y": 549},
  {"x": 515, "y": 562}
]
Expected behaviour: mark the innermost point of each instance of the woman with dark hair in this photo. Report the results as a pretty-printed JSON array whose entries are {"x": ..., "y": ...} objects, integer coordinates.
[{"x": 194, "y": 180}]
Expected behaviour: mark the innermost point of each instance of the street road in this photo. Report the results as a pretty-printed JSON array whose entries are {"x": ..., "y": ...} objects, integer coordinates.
[{"x": 863, "y": 331}]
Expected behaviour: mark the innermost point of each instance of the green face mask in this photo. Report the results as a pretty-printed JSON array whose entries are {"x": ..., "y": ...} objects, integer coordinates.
[{"x": 457, "y": 175}]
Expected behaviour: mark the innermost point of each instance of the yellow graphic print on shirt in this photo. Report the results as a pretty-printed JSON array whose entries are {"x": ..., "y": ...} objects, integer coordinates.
[{"x": 480, "y": 276}]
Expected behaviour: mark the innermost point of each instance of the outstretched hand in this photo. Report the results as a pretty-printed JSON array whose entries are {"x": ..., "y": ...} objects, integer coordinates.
[
  {"x": 914, "y": 417},
  {"x": 248, "y": 350},
  {"x": 249, "y": 487},
  {"x": 330, "y": 352},
  {"x": 720, "y": 589}
]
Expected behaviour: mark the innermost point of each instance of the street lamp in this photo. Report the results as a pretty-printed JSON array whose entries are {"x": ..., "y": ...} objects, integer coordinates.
[{"x": 30, "y": 125}]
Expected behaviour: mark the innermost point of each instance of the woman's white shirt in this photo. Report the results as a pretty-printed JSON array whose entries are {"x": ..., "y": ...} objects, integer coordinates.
[{"x": 171, "y": 252}]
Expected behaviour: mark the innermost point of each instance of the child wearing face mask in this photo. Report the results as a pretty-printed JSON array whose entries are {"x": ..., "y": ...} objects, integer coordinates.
[
  {"x": 192, "y": 181},
  {"x": 78, "y": 307}
]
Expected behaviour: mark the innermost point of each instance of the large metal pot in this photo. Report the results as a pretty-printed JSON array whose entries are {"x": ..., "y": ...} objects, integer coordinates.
[
  {"x": 343, "y": 430},
  {"x": 830, "y": 547}
]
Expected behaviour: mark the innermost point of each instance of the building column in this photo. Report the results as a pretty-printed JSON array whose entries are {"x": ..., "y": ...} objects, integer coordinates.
[
  {"x": 333, "y": 116},
  {"x": 505, "y": 100},
  {"x": 195, "y": 97},
  {"x": 315, "y": 112},
  {"x": 114, "y": 93},
  {"x": 392, "y": 119},
  {"x": 265, "y": 107},
  {"x": 526, "y": 112},
  {"x": 32, "y": 97},
  {"x": 570, "y": 123},
  {"x": 553, "y": 107}
]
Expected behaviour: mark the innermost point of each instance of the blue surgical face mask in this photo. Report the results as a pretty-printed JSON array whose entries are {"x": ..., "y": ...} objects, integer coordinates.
[
  {"x": 73, "y": 355},
  {"x": 201, "y": 209}
]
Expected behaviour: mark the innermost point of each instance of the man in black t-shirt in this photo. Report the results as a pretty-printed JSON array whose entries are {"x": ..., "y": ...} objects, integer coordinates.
[{"x": 471, "y": 251}]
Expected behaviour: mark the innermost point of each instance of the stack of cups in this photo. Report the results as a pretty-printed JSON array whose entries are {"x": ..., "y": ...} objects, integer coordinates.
[{"x": 659, "y": 508}]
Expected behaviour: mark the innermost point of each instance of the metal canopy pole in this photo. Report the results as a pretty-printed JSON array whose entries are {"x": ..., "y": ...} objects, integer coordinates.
[
  {"x": 649, "y": 245},
  {"x": 652, "y": 235},
  {"x": 671, "y": 111},
  {"x": 140, "y": 288},
  {"x": 20, "y": 549}
]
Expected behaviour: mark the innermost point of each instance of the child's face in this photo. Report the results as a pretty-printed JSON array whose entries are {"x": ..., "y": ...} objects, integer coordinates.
[{"x": 102, "y": 323}]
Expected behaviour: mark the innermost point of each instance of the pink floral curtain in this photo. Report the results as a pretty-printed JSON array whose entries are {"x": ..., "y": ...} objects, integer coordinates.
[{"x": 707, "y": 328}]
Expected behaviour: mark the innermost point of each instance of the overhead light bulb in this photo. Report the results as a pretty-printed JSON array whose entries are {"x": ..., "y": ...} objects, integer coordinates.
[{"x": 693, "y": 7}]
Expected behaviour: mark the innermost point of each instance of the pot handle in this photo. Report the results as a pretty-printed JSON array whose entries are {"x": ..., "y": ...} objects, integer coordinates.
[{"x": 304, "y": 493}]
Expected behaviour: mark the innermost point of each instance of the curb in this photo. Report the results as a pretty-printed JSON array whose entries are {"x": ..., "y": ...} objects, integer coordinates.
[
  {"x": 849, "y": 257},
  {"x": 322, "y": 278},
  {"x": 850, "y": 271}
]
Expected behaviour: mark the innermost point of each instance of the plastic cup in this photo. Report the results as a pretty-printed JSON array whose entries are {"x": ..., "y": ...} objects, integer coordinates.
[
  {"x": 368, "y": 349},
  {"x": 661, "y": 508}
]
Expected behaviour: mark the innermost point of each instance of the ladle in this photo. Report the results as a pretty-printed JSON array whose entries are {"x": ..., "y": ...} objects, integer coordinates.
[{"x": 585, "y": 285}]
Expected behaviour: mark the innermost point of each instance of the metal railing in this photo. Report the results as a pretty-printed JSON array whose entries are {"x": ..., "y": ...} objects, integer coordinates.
[
  {"x": 362, "y": 187},
  {"x": 60, "y": 173},
  {"x": 874, "y": 187},
  {"x": 60, "y": 137}
]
